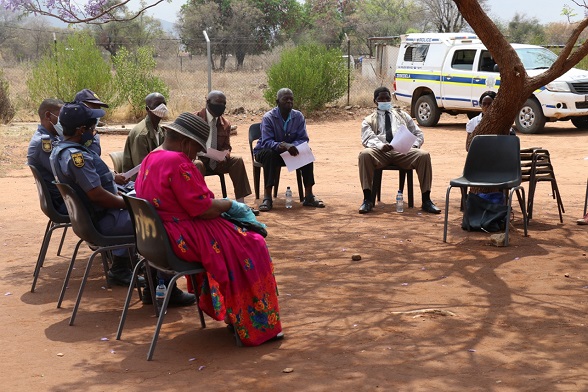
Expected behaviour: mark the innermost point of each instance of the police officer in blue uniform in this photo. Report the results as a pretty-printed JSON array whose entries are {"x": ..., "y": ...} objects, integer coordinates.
[
  {"x": 91, "y": 100},
  {"x": 42, "y": 143},
  {"x": 86, "y": 172}
]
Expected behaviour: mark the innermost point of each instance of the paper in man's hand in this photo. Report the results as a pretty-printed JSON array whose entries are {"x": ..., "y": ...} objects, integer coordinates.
[
  {"x": 403, "y": 140},
  {"x": 215, "y": 154},
  {"x": 303, "y": 158},
  {"x": 132, "y": 172}
]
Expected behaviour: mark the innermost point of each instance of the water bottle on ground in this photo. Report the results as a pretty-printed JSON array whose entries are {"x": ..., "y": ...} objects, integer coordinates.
[
  {"x": 160, "y": 291},
  {"x": 288, "y": 197},
  {"x": 399, "y": 202}
]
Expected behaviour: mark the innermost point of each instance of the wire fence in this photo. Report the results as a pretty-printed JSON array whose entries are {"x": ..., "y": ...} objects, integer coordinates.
[{"x": 187, "y": 78}]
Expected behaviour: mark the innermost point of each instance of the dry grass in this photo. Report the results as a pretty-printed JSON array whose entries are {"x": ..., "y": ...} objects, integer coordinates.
[{"x": 188, "y": 83}]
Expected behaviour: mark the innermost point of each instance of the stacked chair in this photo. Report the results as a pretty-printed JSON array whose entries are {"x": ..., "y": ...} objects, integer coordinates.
[{"x": 536, "y": 167}]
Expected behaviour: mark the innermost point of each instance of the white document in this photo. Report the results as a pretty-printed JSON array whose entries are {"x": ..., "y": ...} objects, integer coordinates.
[
  {"x": 132, "y": 172},
  {"x": 403, "y": 140},
  {"x": 303, "y": 158},
  {"x": 216, "y": 154}
]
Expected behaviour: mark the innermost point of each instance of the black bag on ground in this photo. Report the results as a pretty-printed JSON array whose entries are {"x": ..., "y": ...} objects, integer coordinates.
[{"x": 483, "y": 215}]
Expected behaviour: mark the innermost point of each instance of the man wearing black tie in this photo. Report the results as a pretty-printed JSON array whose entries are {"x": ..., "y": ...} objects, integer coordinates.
[{"x": 377, "y": 131}]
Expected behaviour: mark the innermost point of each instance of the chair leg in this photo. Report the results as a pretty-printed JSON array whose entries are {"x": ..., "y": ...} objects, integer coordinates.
[
  {"x": 123, "y": 316},
  {"x": 160, "y": 318},
  {"x": 256, "y": 179},
  {"x": 521, "y": 196},
  {"x": 200, "y": 313},
  {"x": 377, "y": 185},
  {"x": 586, "y": 199},
  {"x": 68, "y": 273},
  {"x": 42, "y": 254},
  {"x": 277, "y": 181},
  {"x": 82, "y": 286},
  {"x": 410, "y": 189},
  {"x": 446, "y": 213},
  {"x": 223, "y": 185},
  {"x": 300, "y": 187},
  {"x": 62, "y": 239}
]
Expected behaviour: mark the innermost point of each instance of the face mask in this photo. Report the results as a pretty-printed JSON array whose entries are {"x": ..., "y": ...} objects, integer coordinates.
[
  {"x": 160, "y": 111},
  {"x": 384, "y": 105},
  {"x": 57, "y": 126},
  {"x": 216, "y": 110},
  {"x": 87, "y": 137}
]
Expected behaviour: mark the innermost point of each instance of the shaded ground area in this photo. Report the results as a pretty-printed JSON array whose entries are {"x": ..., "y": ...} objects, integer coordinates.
[{"x": 520, "y": 312}]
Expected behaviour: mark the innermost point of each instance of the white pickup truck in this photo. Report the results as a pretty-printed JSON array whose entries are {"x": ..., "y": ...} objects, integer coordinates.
[{"x": 448, "y": 72}]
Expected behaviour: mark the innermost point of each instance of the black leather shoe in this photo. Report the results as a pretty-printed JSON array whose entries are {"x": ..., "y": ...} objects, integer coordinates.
[
  {"x": 122, "y": 277},
  {"x": 178, "y": 298},
  {"x": 429, "y": 206},
  {"x": 366, "y": 207}
]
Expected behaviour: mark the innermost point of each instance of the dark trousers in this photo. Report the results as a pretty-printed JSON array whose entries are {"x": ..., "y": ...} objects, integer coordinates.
[{"x": 272, "y": 161}]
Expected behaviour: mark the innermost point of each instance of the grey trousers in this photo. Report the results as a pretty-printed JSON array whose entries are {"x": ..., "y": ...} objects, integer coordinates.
[
  {"x": 371, "y": 159},
  {"x": 235, "y": 168}
]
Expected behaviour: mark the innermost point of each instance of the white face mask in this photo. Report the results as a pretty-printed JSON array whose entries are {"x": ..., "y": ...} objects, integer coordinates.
[
  {"x": 58, "y": 128},
  {"x": 160, "y": 111},
  {"x": 384, "y": 105}
]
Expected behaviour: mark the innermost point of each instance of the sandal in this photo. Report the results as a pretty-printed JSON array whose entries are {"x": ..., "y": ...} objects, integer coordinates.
[
  {"x": 313, "y": 202},
  {"x": 266, "y": 205}
]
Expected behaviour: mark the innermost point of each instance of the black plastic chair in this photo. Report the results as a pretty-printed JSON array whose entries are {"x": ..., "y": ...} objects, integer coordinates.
[
  {"x": 56, "y": 221},
  {"x": 403, "y": 175},
  {"x": 493, "y": 161},
  {"x": 84, "y": 228},
  {"x": 221, "y": 177},
  {"x": 153, "y": 244},
  {"x": 254, "y": 134}
]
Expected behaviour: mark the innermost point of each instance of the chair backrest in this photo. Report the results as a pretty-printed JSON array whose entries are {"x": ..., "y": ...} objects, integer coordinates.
[
  {"x": 117, "y": 160},
  {"x": 254, "y": 134},
  {"x": 493, "y": 158},
  {"x": 81, "y": 221},
  {"x": 152, "y": 241},
  {"x": 45, "y": 199}
]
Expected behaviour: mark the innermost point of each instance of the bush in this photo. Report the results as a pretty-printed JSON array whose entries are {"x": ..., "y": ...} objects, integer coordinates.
[
  {"x": 316, "y": 75},
  {"x": 74, "y": 65},
  {"x": 135, "y": 79},
  {"x": 6, "y": 109}
]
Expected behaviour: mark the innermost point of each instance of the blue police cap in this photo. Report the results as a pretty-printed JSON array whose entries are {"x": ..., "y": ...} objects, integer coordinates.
[{"x": 75, "y": 114}]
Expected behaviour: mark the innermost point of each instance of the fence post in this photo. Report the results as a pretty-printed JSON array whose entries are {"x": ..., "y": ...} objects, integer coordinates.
[
  {"x": 348, "y": 67},
  {"x": 209, "y": 60}
]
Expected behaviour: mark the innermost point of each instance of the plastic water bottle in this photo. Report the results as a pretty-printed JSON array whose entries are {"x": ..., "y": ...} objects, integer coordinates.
[
  {"x": 160, "y": 291},
  {"x": 399, "y": 202},
  {"x": 288, "y": 197}
]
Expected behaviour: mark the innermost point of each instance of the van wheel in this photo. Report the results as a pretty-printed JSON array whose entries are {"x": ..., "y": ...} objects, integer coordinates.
[
  {"x": 427, "y": 112},
  {"x": 580, "y": 122},
  {"x": 530, "y": 118}
]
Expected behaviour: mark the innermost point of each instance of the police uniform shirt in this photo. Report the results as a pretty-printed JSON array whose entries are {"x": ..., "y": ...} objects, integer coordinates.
[
  {"x": 40, "y": 147},
  {"x": 73, "y": 163}
]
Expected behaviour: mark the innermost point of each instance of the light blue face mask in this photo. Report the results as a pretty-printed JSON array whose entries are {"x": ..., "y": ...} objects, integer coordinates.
[
  {"x": 58, "y": 128},
  {"x": 384, "y": 105}
]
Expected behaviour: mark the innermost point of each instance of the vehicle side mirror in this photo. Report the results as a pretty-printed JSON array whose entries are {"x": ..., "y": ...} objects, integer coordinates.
[{"x": 495, "y": 69}]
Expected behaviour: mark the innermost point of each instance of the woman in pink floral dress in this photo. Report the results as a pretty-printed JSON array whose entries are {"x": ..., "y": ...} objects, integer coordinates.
[{"x": 243, "y": 289}]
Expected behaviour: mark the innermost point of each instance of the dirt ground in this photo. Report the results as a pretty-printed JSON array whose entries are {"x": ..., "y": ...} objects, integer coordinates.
[{"x": 519, "y": 320}]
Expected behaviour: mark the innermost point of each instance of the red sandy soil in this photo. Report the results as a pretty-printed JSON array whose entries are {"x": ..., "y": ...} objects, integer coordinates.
[{"x": 519, "y": 320}]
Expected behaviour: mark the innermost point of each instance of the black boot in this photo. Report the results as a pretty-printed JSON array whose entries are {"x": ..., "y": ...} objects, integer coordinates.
[{"x": 120, "y": 272}]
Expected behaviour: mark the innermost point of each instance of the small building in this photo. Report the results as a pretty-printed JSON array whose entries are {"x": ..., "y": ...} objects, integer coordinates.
[{"x": 381, "y": 63}]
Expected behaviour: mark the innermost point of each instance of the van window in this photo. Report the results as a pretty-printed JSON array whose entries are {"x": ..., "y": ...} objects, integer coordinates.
[
  {"x": 486, "y": 62},
  {"x": 416, "y": 52},
  {"x": 463, "y": 59}
]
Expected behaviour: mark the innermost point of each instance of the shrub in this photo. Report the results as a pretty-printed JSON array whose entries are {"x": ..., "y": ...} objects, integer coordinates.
[
  {"x": 6, "y": 109},
  {"x": 316, "y": 75},
  {"x": 135, "y": 78},
  {"x": 74, "y": 65}
]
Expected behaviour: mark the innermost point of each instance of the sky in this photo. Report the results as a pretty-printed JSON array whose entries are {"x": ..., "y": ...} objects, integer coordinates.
[{"x": 545, "y": 11}]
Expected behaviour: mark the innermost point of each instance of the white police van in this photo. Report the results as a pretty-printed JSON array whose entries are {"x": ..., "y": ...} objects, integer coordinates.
[{"x": 447, "y": 72}]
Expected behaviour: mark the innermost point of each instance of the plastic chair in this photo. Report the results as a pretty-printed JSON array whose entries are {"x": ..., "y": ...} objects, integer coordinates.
[
  {"x": 153, "y": 244},
  {"x": 84, "y": 228},
  {"x": 536, "y": 167},
  {"x": 56, "y": 221},
  {"x": 403, "y": 174},
  {"x": 117, "y": 160},
  {"x": 493, "y": 161},
  {"x": 254, "y": 134},
  {"x": 586, "y": 199},
  {"x": 221, "y": 176}
]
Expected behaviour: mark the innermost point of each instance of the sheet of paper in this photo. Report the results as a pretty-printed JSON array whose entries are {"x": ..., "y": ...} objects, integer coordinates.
[
  {"x": 216, "y": 154},
  {"x": 304, "y": 157},
  {"x": 403, "y": 140},
  {"x": 132, "y": 172}
]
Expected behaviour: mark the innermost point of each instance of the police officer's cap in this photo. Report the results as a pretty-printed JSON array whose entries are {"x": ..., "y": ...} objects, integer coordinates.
[
  {"x": 75, "y": 114},
  {"x": 89, "y": 96}
]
